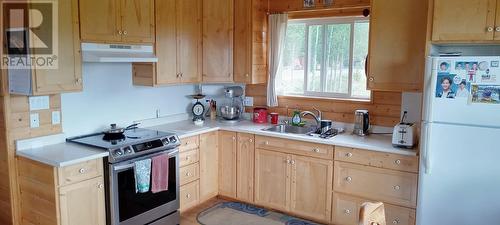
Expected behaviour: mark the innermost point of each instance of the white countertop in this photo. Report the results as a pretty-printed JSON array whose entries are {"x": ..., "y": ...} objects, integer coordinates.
[
  {"x": 375, "y": 142},
  {"x": 62, "y": 154},
  {"x": 65, "y": 154}
]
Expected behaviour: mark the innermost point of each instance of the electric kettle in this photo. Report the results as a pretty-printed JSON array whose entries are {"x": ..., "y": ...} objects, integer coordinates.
[{"x": 361, "y": 122}]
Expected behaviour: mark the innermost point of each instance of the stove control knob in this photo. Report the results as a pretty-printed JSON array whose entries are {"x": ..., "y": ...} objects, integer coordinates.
[
  {"x": 172, "y": 140},
  {"x": 128, "y": 150},
  {"x": 165, "y": 141},
  {"x": 118, "y": 153}
]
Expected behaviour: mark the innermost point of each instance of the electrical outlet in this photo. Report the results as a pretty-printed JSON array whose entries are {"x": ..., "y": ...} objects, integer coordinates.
[
  {"x": 56, "y": 117},
  {"x": 248, "y": 101},
  {"x": 34, "y": 120}
]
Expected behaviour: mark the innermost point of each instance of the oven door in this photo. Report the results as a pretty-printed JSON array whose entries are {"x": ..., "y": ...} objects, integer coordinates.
[{"x": 130, "y": 208}]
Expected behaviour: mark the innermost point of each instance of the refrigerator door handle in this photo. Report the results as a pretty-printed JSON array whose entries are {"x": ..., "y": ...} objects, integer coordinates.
[{"x": 425, "y": 144}]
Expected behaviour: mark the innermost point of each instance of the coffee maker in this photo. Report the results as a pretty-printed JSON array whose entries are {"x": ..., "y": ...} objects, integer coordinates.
[{"x": 232, "y": 109}]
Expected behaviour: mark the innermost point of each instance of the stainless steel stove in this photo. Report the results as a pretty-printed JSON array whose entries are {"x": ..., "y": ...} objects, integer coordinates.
[{"x": 124, "y": 206}]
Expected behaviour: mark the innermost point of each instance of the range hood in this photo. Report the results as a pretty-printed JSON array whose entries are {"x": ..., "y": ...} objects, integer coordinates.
[{"x": 106, "y": 53}]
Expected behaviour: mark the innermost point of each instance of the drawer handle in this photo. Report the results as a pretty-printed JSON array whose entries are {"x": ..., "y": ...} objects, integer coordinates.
[
  {"x": 188, "y": 195},
  {"x": 397, "y": 161},
  {"x": 348, "y": 179},
  {"x": 81, "y": 171},
  {"x": 347, "y": 211},
  {"x": 395, "y": 221},
  {"x": 100, "y": 186},
  {"x": 316, "y": 150},
  {"x": 188, "y": 174},
  {"x": 397, "y": 187},
  {"x": 348, "y": 155}
]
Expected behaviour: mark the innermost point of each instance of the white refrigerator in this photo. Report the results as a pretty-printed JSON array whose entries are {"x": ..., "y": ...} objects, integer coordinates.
[{"x": 459, "y": 181}]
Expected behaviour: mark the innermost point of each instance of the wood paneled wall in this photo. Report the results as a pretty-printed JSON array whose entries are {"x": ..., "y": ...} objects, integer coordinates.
[{"x": 385, "y": 107}]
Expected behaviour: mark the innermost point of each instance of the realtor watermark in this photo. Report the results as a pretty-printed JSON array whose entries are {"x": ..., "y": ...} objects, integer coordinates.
[{"x": 29, "y": 34}]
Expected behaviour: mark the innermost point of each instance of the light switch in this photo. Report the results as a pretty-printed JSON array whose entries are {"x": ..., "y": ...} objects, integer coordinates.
[
  {"x": 34, "y": 120},
  {"x": 56, "y": 117},
  {"x": 39, "y": 102}
]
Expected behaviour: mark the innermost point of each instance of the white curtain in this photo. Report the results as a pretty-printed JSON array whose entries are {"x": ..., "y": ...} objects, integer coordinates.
[{"x": 277, "y": 34}]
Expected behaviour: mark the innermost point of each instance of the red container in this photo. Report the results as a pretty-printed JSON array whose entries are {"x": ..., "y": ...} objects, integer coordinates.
[
  {"x": 274, "y": 118},
  {"x": 260, "y": 115}
]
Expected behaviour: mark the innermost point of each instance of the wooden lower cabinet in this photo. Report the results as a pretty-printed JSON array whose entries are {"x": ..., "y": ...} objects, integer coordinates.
[
  {"x": 311, "y": 187},
  {"x": 209, "y": 161},
  {"x": 44, "y": 199},
  {"x": 272, "y": 179},
  {"x": 189, "y": 195},
  {"x": 83, "y": 203},
  {"x": 227, "y": 164},
  {"x": 346, "y": 211},
  {"x": 245, "y": 167}
]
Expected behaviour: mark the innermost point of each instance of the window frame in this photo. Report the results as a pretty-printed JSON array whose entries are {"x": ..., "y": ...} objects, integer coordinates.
[{"x": 325, "y": 22}]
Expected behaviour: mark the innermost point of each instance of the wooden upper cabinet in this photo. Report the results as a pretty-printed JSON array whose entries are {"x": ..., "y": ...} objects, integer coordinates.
[
  {"x": 117, "y": 21},
  {"x": 99, "y": 20},
  {"x": 137, "y": 21},
  {"x": 68, "y": 75},
  {"x": 464, "y": 20},
  {"x": 166, "y": 44},
  {"x": 272, "y": 179},
  {"x": 250, "y": 45},
  {"x": 497, "y": 22},
  {"x": 218, "y": 41},
  {"x": 396, "y": 59},
  {"x": 189, "y": 50},
  {"x": 311, "y": 187},
  {"x": 227, "y": 164},
  {"x": 245, "y": 167}
]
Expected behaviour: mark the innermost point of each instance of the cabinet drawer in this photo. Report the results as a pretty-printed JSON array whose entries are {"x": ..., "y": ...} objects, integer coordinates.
[
  {"x": 189, "y": 143},
  {"x": 79, "y": 172},
  {"x": 377, "y": 159},
  {"x": 296, "y": 147},
  {"x": 389, "y": 186},
  {"x": 189, "y": 157},
  {"x": 189, "y": 195},
  {"x": 346, "y": 211},
  {"x": 189, "y": 173}
]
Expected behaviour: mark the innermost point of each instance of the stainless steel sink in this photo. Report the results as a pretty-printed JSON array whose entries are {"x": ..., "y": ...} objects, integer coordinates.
[{"x": 288, "y": 129}]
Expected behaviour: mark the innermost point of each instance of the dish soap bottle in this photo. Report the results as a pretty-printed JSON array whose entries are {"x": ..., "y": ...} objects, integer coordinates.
[{"x": 296, "y": 118}]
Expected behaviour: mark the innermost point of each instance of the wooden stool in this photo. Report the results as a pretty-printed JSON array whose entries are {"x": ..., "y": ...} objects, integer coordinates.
[{"x": 372, "y": 214}]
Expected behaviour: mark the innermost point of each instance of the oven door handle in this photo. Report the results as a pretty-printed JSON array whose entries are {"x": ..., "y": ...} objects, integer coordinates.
[{"x": 131, "y": 163}]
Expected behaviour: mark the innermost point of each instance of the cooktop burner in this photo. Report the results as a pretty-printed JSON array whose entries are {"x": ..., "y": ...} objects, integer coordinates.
[{"x": 132, "y": 143}]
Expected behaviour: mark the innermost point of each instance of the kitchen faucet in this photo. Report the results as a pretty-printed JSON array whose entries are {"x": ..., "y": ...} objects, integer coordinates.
[{"x": 317, "y": 118}]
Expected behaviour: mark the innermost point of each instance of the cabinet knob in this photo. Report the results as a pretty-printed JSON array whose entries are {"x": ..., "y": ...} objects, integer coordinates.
[
  {"x": 490, "y": 29},
  {"x": 348, "y": 179},
  {"x": 371, "y": 79},
  {"x": 287, "y": 161},
  {"x": 188, "y": 174},
  {"x": 188, "y": 195},
  {"x": 251, "y": 140},
  {"x": 178, "y": 75},
  {"x": 316, "y": 150},
  {"x": 397, "y": 187},
  {"x": 81, "y": 171},
  {"x": 347, "y": 211},
  {"x": 348, "y": 155},
  {"x": 266, "y": 143},
  {"x": 188, "y": 158},
  {"x": 78, "y": 81},
  {"x": 247, "y": 75},
  {"x": 125, "y": 32},
  {"x": 292, "y": 162},
  {"x": 395, "y": 221},
  {"x": 497, "y": 29},
  {"x": 100, "y": 186},
  {"x": 120, "y": 32},
  {"x": 397, "y": 161},
  {"x": 234, "y": 138}
]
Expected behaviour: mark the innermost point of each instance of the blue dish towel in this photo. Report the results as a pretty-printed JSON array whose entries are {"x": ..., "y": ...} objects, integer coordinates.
[{"x": 142, "y": 171}]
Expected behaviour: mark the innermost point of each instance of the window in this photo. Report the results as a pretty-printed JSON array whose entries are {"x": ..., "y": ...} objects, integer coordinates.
[{"x": 325, "y": 58}]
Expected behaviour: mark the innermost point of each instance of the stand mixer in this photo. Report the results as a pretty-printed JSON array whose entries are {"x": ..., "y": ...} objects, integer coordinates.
[{"x": 232, "y": 109}]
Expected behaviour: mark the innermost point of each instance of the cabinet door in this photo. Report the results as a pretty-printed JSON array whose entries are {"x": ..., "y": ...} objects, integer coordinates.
[
  {"x": 68, "y": 75},
  {"x": 463, "y": 20},
  {"x": 209, "y": 161},
  {"x": 227, "y": 164},
  {"x": 243, "y": 43},
  {"x": 245, "y": 167},
  {"x": 99, "y": 20},
  {"x": 218, "y": 41},
  {"x": 397, "y": 45},
  {"x": 137, "y": 21},
  {"x": 83, "y": 203},
  {"x": 272, "y": 179},
  {"x": 189, "y": 29},
  {"x": 311, "y": 187},
  {"x": 166, "y": 42}
]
